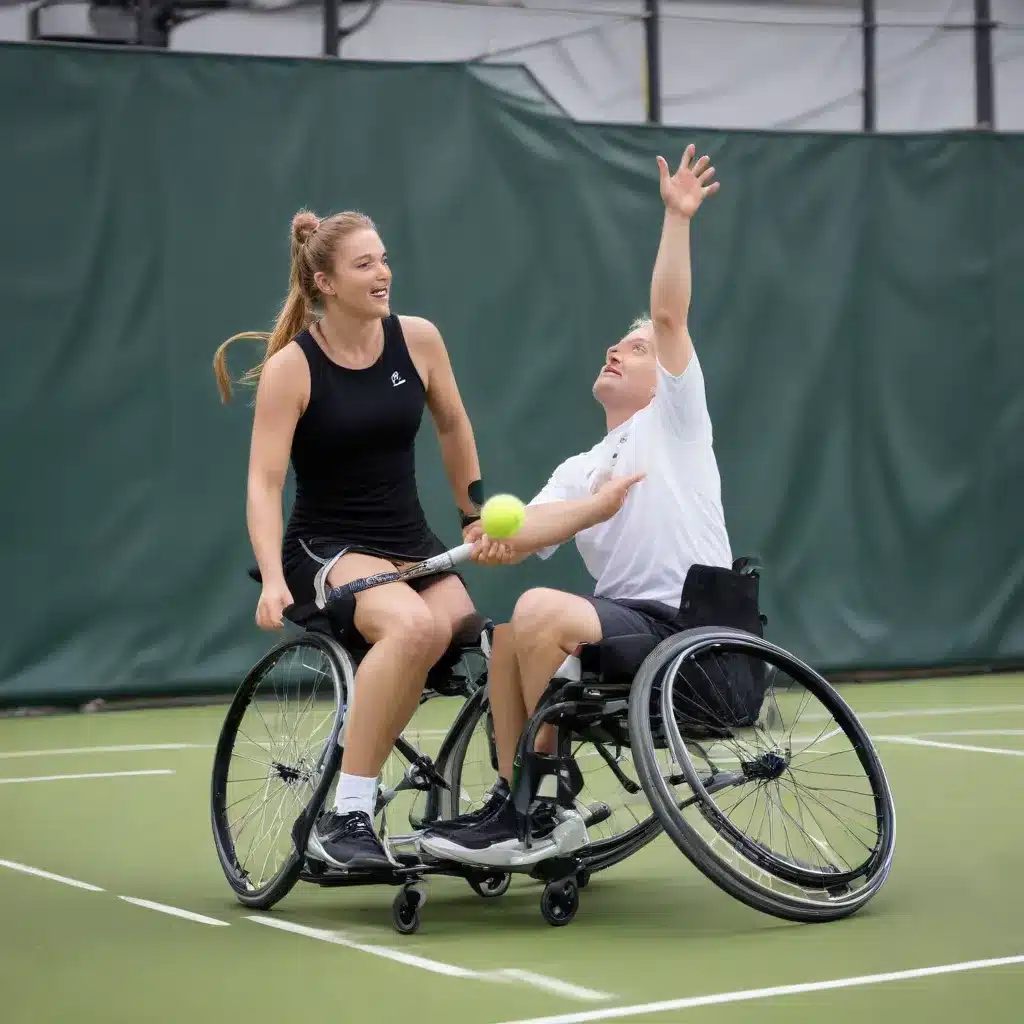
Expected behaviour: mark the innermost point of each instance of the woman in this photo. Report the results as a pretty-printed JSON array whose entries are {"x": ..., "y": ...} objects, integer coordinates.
[{"x": 341, "y": 392}]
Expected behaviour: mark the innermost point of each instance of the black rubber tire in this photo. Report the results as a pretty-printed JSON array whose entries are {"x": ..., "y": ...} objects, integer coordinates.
[
  {"x": 559, "y": 902},
  {"x": 405, "y": 911},
  {"x": 682, "y": 833},
  {"x": 284, "y": 880},
  {"x": 491, "y": 886},
  {"x": 606, "y": 853}
]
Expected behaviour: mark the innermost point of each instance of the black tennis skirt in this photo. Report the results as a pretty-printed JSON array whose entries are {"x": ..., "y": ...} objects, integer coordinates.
[{"x": 303, "y": 558}]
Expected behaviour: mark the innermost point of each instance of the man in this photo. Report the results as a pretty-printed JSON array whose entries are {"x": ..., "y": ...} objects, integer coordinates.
[{"x": 644, "y": 505}]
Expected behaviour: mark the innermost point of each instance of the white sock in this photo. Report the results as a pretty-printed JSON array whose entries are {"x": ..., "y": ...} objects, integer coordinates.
[{"x": 355, "y": 793}]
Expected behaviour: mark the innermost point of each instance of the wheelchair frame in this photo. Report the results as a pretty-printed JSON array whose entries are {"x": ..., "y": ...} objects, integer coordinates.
[{"x": 594, "y": 710}]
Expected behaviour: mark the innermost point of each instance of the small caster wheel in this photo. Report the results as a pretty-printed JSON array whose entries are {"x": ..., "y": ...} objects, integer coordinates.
[
  {"x": 491, "y": 886},
  {"x": 405, "y": 911},
  {"x": 560, "y": 901},
  {"x": 583, "y": 878}
]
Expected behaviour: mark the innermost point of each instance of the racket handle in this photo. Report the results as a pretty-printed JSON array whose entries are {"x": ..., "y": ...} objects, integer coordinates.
[
  {"x": 439, "y": 563},
  {"x": 459, "y": 554}
]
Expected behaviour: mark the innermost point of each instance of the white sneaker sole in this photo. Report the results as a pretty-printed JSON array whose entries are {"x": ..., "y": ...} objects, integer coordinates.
[
  {"x": 315, "y": 849},
  {"x": 568, "y": 836}
]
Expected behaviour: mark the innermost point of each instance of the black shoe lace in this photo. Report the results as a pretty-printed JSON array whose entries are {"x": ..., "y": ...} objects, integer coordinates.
[
  {"x": 358, "y": 826},
  {"x": 354, "y": 825},
  {"x": 496, "y": 798}
]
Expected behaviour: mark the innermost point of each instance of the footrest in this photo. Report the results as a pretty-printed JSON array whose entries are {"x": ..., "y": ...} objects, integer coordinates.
[
  {"x": 319, "y": 873},
  {"x": 595, "y": 813}
]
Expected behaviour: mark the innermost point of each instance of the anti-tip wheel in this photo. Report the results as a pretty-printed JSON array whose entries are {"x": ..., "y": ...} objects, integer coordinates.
[
  {"x": 405, "y": 911},
  {"x": 560, "y": 901},
  {"x": 491, "y": 886}
]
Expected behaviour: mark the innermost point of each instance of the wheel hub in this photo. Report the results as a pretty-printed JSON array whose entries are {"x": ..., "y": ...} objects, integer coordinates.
[
  {"x": 289, "y": 774},
  {"x": 769, "y": 765}
]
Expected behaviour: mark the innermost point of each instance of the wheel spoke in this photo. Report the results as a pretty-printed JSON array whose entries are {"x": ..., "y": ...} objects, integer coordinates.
[
  {"x": 844, "y": 825},
  {"x": 258, "y": 811},
  {"x": 801, "y": 824}
]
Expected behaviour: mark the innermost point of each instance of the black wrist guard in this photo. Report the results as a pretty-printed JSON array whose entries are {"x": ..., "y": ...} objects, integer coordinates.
[{"x": 475, "y": 491}]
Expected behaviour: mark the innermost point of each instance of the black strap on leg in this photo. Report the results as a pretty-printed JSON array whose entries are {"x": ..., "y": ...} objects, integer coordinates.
[
  {"x": 570, "y": 778},
  {"x": 341, "y": 614},
  {"x": 530, "y": 767}
]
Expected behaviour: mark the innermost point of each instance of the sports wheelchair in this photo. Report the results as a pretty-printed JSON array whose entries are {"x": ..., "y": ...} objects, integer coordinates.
[{"x": 746, "y": 757}]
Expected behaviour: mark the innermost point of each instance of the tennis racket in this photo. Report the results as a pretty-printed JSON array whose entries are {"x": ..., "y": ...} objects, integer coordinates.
[{"x": 439, "y": 563}]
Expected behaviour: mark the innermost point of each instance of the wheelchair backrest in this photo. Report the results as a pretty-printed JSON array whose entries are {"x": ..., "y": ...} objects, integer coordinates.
[{"x": 716, "y": 596}]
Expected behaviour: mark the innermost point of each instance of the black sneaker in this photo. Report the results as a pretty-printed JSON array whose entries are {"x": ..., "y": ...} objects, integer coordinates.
[
  {"x": 499, "y": 832},
  {"x": 348, "y": 841},
  {"x": 496, "y": 800}
]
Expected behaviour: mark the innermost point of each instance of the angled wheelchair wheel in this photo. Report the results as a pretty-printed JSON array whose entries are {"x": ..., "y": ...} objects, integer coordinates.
[
  {"x": 468, "y": 760},
  {"x": 275, "y": 758},
  {"x": 775, "y": 792},
  {"x": 620, "y": 818}
]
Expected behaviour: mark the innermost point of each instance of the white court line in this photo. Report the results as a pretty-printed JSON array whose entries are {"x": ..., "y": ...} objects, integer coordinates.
[
  {"x": 173, "y": 911},
  {"x": 975, "y": 732},
  {"x": 88, "y": 775},
  {"x": 15, "y": 866},
  {"x": 811, "y": 717},
  {"x": 914, "y": 741},
  {"x": 767, "y": 993},
  {"x": 980, "y": 709},
  {"x": 554, "y": 985},
  {"x": 131, "y": 748},
  {"x": 563, "y": 988}
]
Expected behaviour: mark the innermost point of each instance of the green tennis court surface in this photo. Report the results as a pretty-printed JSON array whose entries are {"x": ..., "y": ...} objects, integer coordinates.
[{"x": 652, "y": 936}]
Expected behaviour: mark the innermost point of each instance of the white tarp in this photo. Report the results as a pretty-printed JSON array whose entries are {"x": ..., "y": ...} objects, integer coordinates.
[{"x": 724, "y": 65}]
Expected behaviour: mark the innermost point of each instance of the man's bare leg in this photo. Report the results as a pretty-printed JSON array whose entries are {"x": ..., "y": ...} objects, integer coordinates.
[
  {"x": 548, "y": 626},
  {"x": 505, "y": 689}
]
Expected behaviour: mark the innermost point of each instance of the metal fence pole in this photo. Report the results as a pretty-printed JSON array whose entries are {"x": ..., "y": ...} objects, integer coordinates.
[
  {"x": 868, "y": 27},
  {"x": 984, "y": 94},
  {"x": 652, "y": 45},
  {"x": 331, "y": 30}
]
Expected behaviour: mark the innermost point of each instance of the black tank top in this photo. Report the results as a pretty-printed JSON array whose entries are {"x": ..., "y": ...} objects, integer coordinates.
[{"x": 353, "y": 451}]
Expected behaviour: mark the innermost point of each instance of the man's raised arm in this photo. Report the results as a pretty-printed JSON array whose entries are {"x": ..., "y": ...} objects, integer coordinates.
[{"x": 682, "y": 193}]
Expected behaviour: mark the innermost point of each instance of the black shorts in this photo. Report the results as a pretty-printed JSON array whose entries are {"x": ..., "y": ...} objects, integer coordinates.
[
  {"x": 625, "y": 617},
  {"x": 304, "y": 559}
]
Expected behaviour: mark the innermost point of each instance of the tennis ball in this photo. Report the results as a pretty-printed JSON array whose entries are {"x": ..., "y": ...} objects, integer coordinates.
[{"x": 502, "y": 516}]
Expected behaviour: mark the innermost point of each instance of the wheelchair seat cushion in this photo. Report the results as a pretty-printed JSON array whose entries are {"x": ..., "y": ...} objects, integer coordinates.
[
  {"x": 618, "y": 659},
  {"x": 308, "y": 616}
]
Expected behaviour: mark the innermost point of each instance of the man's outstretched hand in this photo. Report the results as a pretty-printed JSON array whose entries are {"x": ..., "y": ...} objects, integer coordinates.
[
  {"x": 611, "y": 495},
  {"x": 684, "y": 191}
]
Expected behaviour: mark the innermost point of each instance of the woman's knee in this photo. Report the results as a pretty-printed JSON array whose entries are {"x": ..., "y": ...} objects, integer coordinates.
[
  {"x": 422, "y": 634},
  {"x": 451, "y": 604}
]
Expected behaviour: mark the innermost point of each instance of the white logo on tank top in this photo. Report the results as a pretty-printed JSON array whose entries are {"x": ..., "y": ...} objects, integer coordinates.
[{"x": 396, "y": 379}]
